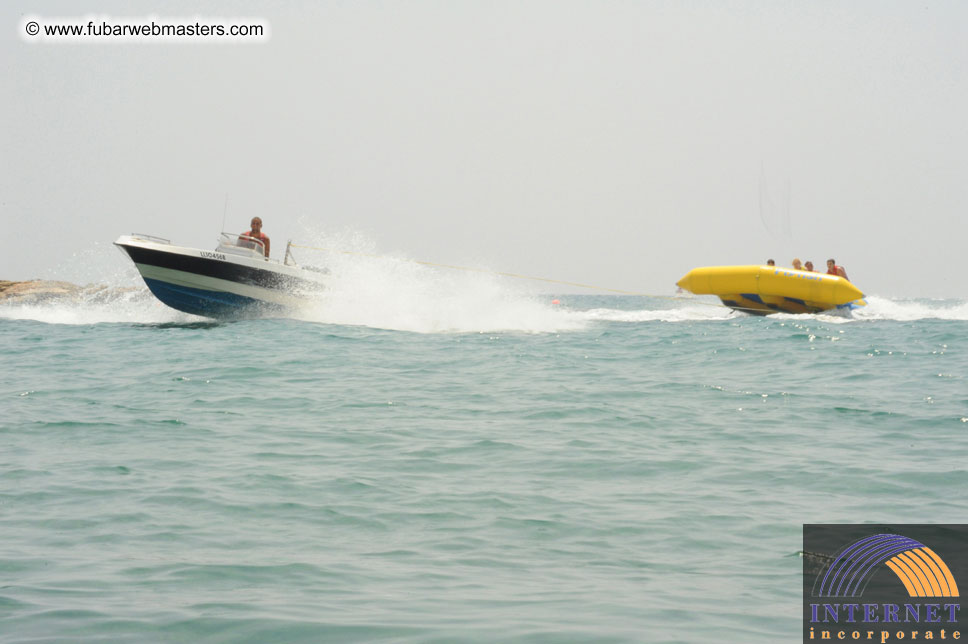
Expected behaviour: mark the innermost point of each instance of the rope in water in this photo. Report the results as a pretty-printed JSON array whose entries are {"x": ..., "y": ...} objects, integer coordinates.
[{"x": 515, "y": 276}]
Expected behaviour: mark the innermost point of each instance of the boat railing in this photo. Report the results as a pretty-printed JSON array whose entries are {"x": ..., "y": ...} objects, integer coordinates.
[
  {"x": 290, "y": 260},
  {"x": 245, "y": 246},
  {"x": 152, "y": 238},
  {"x": 241, "y": 245}
]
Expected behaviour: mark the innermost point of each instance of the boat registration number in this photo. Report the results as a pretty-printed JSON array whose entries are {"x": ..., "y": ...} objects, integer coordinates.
[{"x": 205, "y": 253}]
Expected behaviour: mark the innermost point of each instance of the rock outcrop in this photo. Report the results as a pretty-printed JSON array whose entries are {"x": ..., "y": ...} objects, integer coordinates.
[{"x": 41, "y": 291}]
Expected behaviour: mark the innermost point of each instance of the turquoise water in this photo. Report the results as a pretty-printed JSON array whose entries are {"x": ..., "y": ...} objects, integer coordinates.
[{"x": 474, "y": 465}]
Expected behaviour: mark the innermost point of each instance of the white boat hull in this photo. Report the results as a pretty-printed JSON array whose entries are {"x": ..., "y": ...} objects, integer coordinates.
[{"x": 220, "y": 283}]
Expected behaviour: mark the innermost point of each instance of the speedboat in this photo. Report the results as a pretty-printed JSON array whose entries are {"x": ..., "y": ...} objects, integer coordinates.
[
  {"x": 234, "y": 280},
  {"x": 762, "y": 290}
]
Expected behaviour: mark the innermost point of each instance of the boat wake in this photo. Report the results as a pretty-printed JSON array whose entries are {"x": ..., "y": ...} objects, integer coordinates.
[
  {"x": 397, "y": 293},
  {"x": 905, "y": 310},
  {"x": 667, "y": 312},
  {"x": 394, "y": 295},
  {"x": 708, "y": 309},
  {"x": 96, "y": 305},
  {"x": 385, "y": 292}
]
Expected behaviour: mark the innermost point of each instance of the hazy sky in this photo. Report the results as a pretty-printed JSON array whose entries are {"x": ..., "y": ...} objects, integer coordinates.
[{"x": 613, "y": 143}]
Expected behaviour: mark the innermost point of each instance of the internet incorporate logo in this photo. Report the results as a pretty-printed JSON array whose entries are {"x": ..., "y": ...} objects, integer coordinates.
[
  {"x": 911, "y": 600},
  {"x": 919, "y": 568}
]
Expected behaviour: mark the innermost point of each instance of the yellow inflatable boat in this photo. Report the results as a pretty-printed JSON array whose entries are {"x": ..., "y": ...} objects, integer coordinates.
[{"x": 770, "y": 289}]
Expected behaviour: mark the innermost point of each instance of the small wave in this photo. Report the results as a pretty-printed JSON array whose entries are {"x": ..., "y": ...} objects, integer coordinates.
[
  {"x": 886, "y": 309},
  {"x": 878, "y": 308},
  {"x": 97, "y": 306},
  {"x": 114, "y": 292},
  {"x": 903, "y": 310},
  {"x": 686, "y": 313}
]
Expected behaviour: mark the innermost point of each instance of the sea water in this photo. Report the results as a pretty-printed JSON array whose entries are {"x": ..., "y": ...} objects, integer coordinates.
[{"x": 426, "y": 457}]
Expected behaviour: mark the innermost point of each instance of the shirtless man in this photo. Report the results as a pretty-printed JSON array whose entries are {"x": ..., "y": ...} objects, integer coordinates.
[{"x": 255, "y": 233}]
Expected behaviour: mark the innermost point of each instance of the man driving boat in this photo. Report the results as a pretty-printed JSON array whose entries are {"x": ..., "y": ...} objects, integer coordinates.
[{"x": 255, "y": 234}]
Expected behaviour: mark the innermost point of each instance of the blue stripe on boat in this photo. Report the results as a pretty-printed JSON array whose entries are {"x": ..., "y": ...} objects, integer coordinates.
[{"x": 213, "y": 304}]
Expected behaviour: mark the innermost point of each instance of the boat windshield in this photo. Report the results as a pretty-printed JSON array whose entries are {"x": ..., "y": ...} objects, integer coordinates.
[{"x": 241, "y": 245}]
